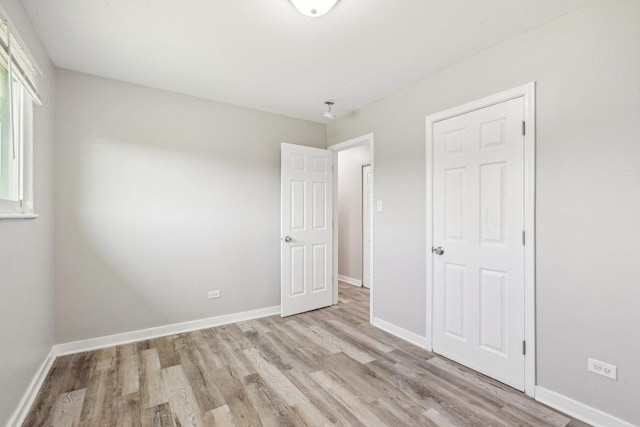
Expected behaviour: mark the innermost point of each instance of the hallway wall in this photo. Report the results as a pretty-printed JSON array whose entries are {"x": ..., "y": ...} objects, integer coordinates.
[{"x": 350, "y": 164}]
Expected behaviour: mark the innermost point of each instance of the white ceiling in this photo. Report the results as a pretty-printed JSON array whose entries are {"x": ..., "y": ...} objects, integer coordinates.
[{"x": 265, "y": 55}]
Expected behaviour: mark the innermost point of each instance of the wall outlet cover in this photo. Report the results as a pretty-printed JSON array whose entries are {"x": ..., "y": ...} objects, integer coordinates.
[{"x": 602, "y": 368}]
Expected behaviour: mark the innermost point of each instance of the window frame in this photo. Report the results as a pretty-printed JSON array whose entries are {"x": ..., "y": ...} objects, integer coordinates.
[
  {"x": 23, "y": 130},
  {"x": 21, "y": 80}
]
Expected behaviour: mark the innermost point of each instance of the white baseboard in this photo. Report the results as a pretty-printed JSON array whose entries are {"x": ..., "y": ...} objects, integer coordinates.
[
  {"x": 21, "y": 412},
  {"x": 578, "y": 410},
  {"x": 555, "y": 400},
  {"x": 145, "y": 334},
  {"x": 399, "y": 332},
  {"x": 18, "y": 417},
  {"x": 349, "y": 280}
]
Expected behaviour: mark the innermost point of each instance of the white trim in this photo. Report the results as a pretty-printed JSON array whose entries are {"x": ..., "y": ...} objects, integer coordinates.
[
  {"x": 349, "y": 280},
  {"x": 399, "y": 332},
  {"x": 429, "y": 233},
  {"x": 352, "y": 143},
  {"x": 21, "y": 43},
  {"x": 527, "y": 91},
  {"x": 578, "y": 410},
  {"x": 145, "y": 334},
  {"x": 529, "y": 94},
  {"x": 367, "y": 200},
  {"x": 18, "y": 216},
  {"x": 29, "y": 397}
]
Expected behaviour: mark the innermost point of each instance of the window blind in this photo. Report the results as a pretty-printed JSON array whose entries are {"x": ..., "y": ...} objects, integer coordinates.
[{"x": 14, "y": 59}]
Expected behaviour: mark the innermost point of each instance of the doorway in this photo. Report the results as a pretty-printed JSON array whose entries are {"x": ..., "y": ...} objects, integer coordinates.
[
  {"x": 353, "y": 217},
  {"x": 351, "y": 208}
]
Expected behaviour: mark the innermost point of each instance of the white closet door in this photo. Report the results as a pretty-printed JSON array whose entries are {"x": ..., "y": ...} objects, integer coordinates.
[{"x": 478, "y": 220}]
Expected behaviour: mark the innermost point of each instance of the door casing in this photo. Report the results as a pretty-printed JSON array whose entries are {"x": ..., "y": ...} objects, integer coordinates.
[
  {"x": 526, "y": 91},
  {"x": 368, "y": 213},
  {"x": 342, "y": 146}
]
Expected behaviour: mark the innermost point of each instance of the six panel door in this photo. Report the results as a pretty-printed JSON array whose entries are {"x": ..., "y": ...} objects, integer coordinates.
[
  {"x": 478, "y": 221},
  {"x": 307, "y": 235}
]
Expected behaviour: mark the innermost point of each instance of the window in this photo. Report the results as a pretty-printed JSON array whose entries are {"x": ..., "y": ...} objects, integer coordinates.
[{"x": 18, "y": 93}]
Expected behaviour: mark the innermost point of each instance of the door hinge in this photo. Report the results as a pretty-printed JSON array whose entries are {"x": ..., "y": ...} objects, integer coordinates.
[
  {"x": 524, "y": 128},
  {"x": 523, "y": 239},
  {"x": 524, "y": 347}
]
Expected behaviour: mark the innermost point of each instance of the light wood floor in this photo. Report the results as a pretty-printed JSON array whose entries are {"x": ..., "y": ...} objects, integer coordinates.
[{"x": 326, "y": 367}]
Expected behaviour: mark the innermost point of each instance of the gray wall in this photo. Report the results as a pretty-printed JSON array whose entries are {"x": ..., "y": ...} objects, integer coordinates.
[
  {"x": 160, "y": 198},
  {"x": 587, "y": 68},
  {"x": 350, "y": 164},
  {"x": 26, "y": 249}
]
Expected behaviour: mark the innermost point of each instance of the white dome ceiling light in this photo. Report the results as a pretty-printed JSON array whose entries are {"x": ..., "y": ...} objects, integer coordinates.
[{"x": 314, "y": 8}]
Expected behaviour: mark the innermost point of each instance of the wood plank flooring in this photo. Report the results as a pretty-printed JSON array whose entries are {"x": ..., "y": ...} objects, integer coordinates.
[{"x": 323, "y": 368}]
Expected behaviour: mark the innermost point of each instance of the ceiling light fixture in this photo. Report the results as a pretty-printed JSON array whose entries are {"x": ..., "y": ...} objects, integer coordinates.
[
  {"x": 329, "y": 114},
  {"x": 314, "y": 8}
]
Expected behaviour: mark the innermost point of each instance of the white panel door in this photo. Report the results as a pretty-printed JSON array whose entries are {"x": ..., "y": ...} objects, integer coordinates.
[
  {"x": 478, "y": 221},
  {"x": 367, "y": 200},
  {"x": 307, "y": 234}
]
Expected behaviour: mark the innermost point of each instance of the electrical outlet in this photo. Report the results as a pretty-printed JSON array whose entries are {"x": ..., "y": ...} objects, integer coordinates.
[
  {"x": 601, "y": 368},
  {"x": 213, "y": 294}
]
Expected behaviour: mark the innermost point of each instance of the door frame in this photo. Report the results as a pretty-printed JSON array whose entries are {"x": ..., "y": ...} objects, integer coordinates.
[
  {"x": 336, "y": 148},
  {"x": 370, "y": 218},
  {"x": 527, "y": 91}
]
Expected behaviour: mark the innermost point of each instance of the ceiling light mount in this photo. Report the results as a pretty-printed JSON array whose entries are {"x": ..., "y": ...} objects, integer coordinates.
[
  {"x": 313, "y": 8},
  {"x": 328, "y": 114}
]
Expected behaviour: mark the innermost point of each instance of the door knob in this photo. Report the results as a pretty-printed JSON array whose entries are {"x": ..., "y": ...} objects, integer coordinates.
[
  {"x": 287, "y": 239},
  {"x": 438, "y": 250}
]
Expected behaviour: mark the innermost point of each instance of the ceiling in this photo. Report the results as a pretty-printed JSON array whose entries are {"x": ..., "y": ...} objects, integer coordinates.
[{"x": 263, "y": 54}]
